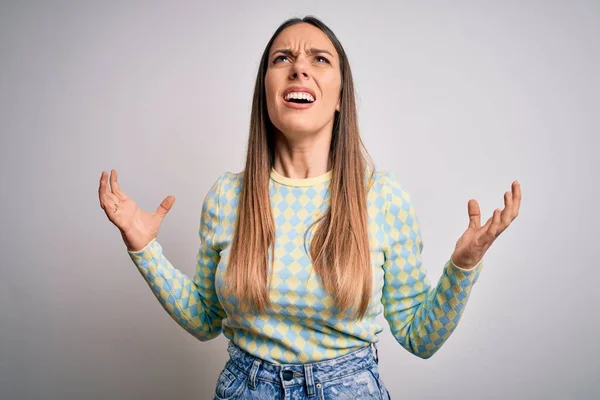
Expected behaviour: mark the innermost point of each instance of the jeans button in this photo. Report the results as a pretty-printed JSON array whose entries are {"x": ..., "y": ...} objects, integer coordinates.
[{"x": 288, "y": 375}]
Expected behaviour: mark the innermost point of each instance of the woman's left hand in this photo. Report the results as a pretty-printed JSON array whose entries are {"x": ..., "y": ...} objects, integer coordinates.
[{"x": 473, "y": 244}]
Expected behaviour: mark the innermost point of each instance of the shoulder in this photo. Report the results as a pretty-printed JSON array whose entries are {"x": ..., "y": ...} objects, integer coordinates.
[
  {"x": 386, "y": 183},
  {"x": 231, "y": 180},
  {"x": 225, "y": 179},
  {"x": 223, "y": 189},
  {"x": 226, "y": 186},
  {"x": 391, "y": 192}
]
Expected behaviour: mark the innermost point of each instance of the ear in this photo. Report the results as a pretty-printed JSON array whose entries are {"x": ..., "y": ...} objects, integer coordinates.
[{"x": 337, "y": 106}]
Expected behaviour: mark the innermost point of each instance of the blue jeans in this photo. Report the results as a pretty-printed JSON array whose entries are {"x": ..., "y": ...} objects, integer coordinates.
[{"x": 351, "y": 376}]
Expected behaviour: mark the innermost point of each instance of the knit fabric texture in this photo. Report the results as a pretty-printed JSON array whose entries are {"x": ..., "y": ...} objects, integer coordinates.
[{"x": 302, "y": 324}]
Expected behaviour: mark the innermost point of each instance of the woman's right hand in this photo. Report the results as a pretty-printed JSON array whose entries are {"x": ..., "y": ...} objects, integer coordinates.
[{"x": 137, "y": 226}]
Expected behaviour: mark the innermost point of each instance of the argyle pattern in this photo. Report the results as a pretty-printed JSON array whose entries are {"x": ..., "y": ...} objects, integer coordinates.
[{"x": 302, "y": 324}]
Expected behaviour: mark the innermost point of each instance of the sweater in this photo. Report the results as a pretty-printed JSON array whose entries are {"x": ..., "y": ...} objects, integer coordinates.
[{"x": 302, "y": 325}]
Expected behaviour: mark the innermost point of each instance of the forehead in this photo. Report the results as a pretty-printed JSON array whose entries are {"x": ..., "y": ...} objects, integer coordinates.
[{"x": 302, "y": 36}]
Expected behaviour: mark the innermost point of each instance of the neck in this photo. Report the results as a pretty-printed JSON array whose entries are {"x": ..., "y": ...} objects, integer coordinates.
[{"x": 304, "y": 157}]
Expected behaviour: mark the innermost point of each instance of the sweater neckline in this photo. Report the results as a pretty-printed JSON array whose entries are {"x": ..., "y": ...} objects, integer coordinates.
[{"x": 301, "y": 182}]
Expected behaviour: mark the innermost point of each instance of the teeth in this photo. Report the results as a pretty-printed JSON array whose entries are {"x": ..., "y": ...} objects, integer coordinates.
[{"x": 299, "y": 95}]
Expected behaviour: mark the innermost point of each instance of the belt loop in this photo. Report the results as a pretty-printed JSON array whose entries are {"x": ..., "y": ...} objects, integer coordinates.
[
  {"x": 375, "y": 352},
  {"x": 310, "y": 383},
  {"x": 253, "y": 372}
]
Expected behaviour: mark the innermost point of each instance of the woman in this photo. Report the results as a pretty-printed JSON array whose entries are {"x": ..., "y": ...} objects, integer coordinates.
[{"x": 302, "y": 250}]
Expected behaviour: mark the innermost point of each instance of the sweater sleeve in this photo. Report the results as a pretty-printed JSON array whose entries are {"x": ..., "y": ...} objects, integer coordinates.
[
  {"x": 420, "y": 317},
  {"x": 192, "y": 303}
]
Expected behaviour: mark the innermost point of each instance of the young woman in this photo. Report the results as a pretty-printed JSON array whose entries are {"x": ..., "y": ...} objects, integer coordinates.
[{"x": 301, "y": 251}]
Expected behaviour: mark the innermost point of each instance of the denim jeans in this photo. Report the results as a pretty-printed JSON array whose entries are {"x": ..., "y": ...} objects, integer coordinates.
[{"x": 351, "y": 376}]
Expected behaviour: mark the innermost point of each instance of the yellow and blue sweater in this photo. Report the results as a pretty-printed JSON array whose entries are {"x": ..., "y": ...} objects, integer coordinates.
[{"x": 301, "y": 326}]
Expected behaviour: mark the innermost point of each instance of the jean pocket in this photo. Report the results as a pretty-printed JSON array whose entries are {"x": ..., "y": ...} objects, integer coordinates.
[
  {"x": 360, "y": 385},
  {"x": 229, "y": 384},
  {"x": 374, "y": 371}
]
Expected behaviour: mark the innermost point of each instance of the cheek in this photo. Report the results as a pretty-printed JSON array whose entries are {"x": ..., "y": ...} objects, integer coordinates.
[
  {"x": 332, "y": 96},
  {"x": 270, "y": 97},
  {"x": 270, "y": 90},
  {"x": 331, "y": 86}
]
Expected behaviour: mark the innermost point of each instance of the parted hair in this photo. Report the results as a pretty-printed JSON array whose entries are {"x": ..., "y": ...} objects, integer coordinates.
[{"x": 339, "y": 249}]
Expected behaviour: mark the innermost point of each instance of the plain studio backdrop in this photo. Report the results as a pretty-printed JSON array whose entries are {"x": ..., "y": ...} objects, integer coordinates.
[{"x": 457, "y": 98}]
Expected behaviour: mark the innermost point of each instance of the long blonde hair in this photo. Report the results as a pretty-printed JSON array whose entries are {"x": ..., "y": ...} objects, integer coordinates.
[{"x": 340, "y": 246}]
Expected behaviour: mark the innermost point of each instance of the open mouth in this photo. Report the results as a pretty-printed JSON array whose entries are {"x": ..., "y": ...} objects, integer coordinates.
[
  {"x": 299, "y": 98},
  {"x": 300, "y": 101}
]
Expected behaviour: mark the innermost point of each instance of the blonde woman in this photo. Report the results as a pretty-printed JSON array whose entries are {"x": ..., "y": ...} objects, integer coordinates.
[{"x": 301, "y": 251}]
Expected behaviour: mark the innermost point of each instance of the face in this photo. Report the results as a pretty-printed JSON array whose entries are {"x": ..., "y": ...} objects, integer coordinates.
[{"x": 303, "y": 81}]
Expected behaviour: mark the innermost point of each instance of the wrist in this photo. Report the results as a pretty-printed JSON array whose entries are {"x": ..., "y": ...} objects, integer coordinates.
[
  {"x": 465, "y": 266},
  {"x": 135, "y": 242}
]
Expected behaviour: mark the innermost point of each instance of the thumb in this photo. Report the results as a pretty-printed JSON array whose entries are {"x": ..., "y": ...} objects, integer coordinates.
[
  {"x": 165, "y": 206},
  {"x": 474, "y": 214}
]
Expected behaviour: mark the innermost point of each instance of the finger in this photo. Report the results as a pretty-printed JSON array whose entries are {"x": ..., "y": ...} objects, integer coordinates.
[
  {"x": 109, "y": 201},
  {"x": 494, "y": 226},
  {"x": 507, "y": 213},
  {"x": 474, "y": 214},
  {"x": 516, "y": 189},
  {"x": 101, "y": 188},
  {"x": 165, "y": 206},
  {"x": 106, "y": 198},
  {"x": 114, "y": 184},
  {"x": 104, "y": 195}
]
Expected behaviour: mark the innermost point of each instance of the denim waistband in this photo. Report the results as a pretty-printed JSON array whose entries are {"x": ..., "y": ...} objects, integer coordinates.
[{"x": 307, "y": 374}]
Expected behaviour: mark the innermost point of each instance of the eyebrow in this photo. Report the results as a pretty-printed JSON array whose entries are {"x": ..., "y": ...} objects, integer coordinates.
[{"x": 310, "y": 51}]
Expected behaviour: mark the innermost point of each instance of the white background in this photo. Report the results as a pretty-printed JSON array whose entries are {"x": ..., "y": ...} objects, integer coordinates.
[{"x": 457, "y": 98}]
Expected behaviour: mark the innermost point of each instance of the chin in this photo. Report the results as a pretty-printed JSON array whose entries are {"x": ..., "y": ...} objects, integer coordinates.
[{"x": 294, "y": 129}]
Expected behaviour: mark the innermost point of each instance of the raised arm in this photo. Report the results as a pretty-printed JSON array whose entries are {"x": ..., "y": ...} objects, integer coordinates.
[
  {"x": 192, "y": 303},
  {"x": 420, "y": 317}
]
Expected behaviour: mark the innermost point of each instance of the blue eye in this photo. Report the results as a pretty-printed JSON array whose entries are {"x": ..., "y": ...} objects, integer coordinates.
[{"x": 326, "y": 60}]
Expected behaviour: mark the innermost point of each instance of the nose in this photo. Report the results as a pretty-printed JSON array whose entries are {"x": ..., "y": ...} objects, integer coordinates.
[
  {"x": 299, "y": 69},
  {"x": 295, "y": 74}
]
